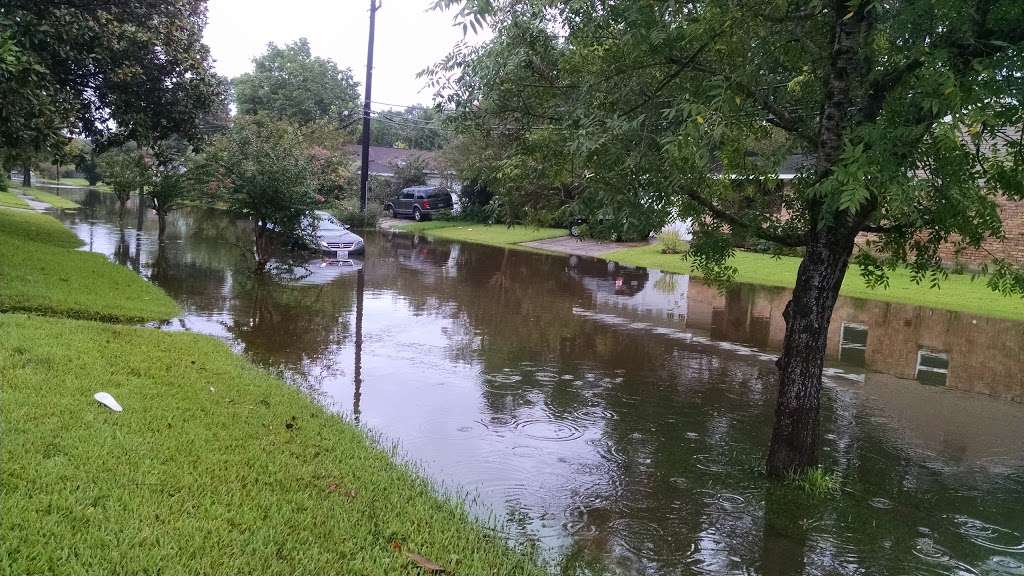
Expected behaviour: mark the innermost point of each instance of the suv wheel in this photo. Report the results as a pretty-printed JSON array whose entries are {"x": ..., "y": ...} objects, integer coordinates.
[{"x": 417, "y": 214}]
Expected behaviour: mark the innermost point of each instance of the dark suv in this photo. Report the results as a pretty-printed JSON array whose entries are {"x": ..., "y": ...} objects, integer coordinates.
[{"x": 419, "y": 202}]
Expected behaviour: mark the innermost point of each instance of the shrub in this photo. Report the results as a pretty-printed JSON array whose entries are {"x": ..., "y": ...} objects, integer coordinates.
[
  {"x": 357, "y": 219},
  {"x": 671, "y": 242}
]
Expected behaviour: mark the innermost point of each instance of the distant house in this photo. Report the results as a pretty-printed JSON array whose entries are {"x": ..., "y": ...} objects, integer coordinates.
[{"x": 384, "y": 160}]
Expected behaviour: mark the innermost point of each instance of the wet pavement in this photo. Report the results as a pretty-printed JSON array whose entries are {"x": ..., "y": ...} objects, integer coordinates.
[{"x": 616, "y": 416}]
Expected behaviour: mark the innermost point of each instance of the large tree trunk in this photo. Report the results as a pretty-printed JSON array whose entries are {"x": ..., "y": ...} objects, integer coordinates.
[
  {"x": 26, "y": 175},
  {"x": 794, "y": 446},
  {"x": 162, "y": 218}
]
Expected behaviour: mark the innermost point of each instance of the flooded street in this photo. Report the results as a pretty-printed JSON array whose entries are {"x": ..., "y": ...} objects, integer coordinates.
[{"x": 617, "y": 416}]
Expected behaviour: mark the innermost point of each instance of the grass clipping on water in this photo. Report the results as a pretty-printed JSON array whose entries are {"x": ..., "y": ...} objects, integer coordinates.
[
  {"x": 213, "y": 467},
  {"x": 41, "y": 273}
]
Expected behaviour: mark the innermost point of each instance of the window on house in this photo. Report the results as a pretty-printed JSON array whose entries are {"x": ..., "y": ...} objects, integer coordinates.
[
  {"x": 932, "y": 367},
  {"x": 853, "y": 344}
]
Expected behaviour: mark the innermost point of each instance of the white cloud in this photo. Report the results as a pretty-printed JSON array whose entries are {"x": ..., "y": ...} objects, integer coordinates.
[{"x": 409, "y": 38}]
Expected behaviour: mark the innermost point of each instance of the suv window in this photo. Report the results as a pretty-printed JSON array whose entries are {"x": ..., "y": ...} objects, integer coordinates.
[{"x": 406, "y": 195}]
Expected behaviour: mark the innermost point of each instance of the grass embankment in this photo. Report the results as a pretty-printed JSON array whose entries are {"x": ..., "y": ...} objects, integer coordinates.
[
  {"x": 214, "y": 467},
  {"x": 492, "y": 234},
  {"x": 958, "y": 292},
  {"x": 42, "y": 273},
  {"x": 52, "y": 199},
  {"x": 78, "y": 183},
  {"x": 11, "y": 200}
]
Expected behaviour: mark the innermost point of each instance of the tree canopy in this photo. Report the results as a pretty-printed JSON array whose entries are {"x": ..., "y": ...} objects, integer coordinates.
[
  {"x": 289, "y": 83},
  {"x": 416, "y": 127},
  {"x": 906, "y": 114},
  {"x": 128, "y": 70}
]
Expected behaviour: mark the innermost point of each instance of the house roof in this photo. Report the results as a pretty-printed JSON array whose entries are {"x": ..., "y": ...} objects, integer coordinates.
[{"x": 383, "y": 159}]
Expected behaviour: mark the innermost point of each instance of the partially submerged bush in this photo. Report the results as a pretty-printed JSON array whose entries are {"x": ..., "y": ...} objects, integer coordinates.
[{"x": 671, "y": 242}]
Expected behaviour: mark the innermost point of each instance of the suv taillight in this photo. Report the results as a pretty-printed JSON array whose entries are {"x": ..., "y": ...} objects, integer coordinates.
[{"x": 426, "y": 204}]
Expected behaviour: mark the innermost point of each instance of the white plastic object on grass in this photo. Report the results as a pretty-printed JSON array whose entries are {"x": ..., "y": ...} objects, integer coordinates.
[{"x": 107, "y": 400}]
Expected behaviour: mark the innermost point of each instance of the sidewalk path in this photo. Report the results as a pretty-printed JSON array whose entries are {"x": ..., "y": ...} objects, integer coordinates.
[{"x": 580, "y": 246}]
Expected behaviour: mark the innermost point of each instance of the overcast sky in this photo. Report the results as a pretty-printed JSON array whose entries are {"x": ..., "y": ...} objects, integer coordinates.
[{"x": 408, "y": 39}]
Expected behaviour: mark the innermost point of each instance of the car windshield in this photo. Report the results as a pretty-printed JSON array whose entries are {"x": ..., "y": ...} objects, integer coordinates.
[{"x": 326, "y": 222}]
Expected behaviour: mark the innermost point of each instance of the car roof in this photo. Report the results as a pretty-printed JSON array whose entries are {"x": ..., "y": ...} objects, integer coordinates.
[{"x": 419, "y": 188}]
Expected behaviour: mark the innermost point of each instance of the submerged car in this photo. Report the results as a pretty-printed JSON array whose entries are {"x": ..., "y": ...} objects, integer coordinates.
[{"x": 333, "y": 236}]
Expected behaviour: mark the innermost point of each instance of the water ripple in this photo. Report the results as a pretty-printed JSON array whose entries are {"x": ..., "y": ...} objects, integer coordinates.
[{"x": 549, "y": 429}]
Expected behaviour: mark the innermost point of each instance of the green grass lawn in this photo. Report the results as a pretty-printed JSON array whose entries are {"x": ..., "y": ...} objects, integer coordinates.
[
  {"x": 213, "y": 468},
  {"x": 11, "y": 200},
  {"x": 958, "y": 292},
  {"x": 493, "y": 234},
  {"x": 41, "y": 272},
  {"x": 51, "y": 199},
  {"x": 79, "y": 182}
]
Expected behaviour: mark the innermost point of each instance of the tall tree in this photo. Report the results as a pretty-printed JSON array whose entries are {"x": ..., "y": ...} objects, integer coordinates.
[
  {"x": 289, "y": 83},
  {"x": 122, "y": 70},
  {"x": 908, "y": 113}
]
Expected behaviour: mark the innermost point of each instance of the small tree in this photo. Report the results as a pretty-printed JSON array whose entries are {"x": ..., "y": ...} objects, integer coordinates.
[
  {"x": 170, "y": 182},
  {"x": 410, "y": 173},
  {"x": 260, "y": 169},
  {"x": 125, "y": 169}
]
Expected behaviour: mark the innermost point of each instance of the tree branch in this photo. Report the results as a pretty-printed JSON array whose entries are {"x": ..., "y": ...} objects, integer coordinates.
[
  {"x": 788, "y": 240},
  {"x": 880, "y": 88},
  {"x": 681, "y": 66}
]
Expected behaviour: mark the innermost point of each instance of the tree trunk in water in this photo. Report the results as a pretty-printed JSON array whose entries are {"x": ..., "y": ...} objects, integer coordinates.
[
  {"x": 26, "y": 175},
  {"x": 162, "y": 217},
  {"x": 794, "y": 445},
  {"x": 262, "y": 246}
]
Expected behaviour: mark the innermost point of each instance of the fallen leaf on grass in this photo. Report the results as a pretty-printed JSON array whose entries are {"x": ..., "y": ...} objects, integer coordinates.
[{"x": 425, "y": 564}]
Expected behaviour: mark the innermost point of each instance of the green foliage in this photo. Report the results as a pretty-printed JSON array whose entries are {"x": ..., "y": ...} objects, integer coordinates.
[
  {"x": 225, "y": 468},
  {"x": 356, "y": 219},
  {"x": 671, "y": 242},
  {"x": 416, "y": 127},
  {"x": 289, "y": 83},
  {"x": 41, "y": 272},
  {"x": 816, "y": 482},
  {"x": 260, "y": 171},
  {"x": 134, "y": 69},
  {"x": 125, "y": 170},
  {"x": 629, "y": 110},
  {"x": 171, "y": 183},
  {"x": 411, "y": 173}
]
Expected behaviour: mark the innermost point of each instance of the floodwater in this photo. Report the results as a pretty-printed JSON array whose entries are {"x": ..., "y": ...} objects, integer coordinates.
[{"x": 618, "y": 417}]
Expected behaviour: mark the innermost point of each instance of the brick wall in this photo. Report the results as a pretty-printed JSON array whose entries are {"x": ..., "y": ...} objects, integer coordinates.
[{"x": 1011, "y": 248}]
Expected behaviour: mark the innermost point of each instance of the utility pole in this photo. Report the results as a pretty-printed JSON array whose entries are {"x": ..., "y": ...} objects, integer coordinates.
[{"x": 365, "y": 172}]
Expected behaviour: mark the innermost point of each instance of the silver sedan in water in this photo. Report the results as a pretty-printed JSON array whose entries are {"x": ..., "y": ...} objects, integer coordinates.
[{"x": 333, "y": 236}]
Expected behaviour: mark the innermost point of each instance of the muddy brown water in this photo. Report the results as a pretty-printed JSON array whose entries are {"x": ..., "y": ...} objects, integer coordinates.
[{"x": 618, "y": 417}]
